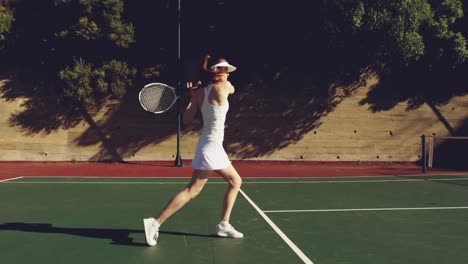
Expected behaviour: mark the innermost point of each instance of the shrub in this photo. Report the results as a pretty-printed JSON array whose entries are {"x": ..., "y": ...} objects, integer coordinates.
[{"x": 88, "y": 84}]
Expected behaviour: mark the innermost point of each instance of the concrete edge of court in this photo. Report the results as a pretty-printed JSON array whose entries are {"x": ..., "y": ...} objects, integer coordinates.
[{"x": 246, "y": 168}]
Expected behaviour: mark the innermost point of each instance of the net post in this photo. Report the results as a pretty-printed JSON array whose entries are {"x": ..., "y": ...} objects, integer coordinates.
[
  {"x": 423, "y": 153},
  {"x": 178, "y": 158}
]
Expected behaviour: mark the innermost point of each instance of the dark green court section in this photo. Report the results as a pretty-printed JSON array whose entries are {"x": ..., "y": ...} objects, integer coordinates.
[
  {"x": 361, "y": 237},
  {"x": 99, "y": 220},
  {"x": 102, "y": 223},
  {"x": 415, "y": 237}
]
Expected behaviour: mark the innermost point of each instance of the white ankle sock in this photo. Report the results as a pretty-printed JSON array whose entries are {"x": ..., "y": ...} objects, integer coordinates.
[
  {"x": 224, "y": 223},
  {"x": 155, "y": 223}
]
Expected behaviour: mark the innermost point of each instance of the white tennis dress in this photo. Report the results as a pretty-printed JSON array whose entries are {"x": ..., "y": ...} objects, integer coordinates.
[{"x": 210, "y": 154}]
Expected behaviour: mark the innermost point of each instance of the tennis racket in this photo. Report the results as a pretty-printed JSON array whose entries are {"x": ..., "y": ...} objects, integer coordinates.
[{"x": 158, "y": 98}]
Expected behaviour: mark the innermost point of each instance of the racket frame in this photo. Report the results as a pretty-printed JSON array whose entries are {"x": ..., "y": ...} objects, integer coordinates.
[{"x": 176, "y": 97}]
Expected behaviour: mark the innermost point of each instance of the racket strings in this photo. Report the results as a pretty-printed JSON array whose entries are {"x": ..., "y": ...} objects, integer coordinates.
[{"x": 157, "y": 98}]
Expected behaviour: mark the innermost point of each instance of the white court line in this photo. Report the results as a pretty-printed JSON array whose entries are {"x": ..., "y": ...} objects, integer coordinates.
[
  {"x": 357, "y": 181},
  {"x": 186, "y": 182},
  {"x": 11, "y": 179},
  {"x": 183, "y": 177},
  {"x": 245, "y": 182},
  {"x": 109, "y": 182},
  {"x": 368, "y": 209},
  {"x": 278, "y": 231},
  {"x": 105, "y": 177},
  {"x": 422, "y": 176}
]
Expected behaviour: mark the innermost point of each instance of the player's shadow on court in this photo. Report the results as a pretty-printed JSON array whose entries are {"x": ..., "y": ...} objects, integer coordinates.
[{"x": 117, "y": 236}]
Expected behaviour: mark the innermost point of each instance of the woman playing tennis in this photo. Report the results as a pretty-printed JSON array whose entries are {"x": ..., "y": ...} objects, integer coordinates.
[{"x": 212, "y": 101}]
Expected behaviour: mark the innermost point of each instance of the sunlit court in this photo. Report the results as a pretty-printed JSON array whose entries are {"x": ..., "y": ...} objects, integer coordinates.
[{"x": 407, "y": 219}]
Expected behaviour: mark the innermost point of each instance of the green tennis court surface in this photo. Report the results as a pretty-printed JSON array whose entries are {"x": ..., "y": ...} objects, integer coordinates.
[{"x": 316, "y": 220}]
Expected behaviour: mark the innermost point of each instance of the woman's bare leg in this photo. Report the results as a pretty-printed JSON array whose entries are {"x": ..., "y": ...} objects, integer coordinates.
[
  {"x": 198, "y": 181},
  {"x": 234, "y": 183}
]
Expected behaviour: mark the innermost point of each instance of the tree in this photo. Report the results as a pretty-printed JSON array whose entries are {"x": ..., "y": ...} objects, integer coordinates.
[
  {"x": 6, "y": 18},
  {"x": 101, "y": 25},
  {"x": 400, "y": 33},
  {"x": 61, "y": 41},
  {"x": 100, "y": 20},
  {"x": 88, "y": 84}
]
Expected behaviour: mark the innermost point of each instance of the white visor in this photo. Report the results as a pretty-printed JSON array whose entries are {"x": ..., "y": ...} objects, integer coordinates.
[{"x": 224, "y": 64}]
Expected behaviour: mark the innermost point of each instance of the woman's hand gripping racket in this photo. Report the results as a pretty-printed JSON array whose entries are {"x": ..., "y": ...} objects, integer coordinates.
[{"x": 158, "y": 98}]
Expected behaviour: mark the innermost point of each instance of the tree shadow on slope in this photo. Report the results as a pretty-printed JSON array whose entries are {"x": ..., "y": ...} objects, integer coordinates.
[
  {"x": 416, "y": 86},
  {"x": 271, "y": 109},
  {"x": 275, "y": 105},
  {"x": 40, "y": 109},
  {"x": 123, "y": 129},
  {"x": 278, "y": 106}
]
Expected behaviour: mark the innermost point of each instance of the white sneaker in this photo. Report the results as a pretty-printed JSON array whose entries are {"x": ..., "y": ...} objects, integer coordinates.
[
  {"x": 228, "y": 231},
  {"x": 151, "y": 231}
]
